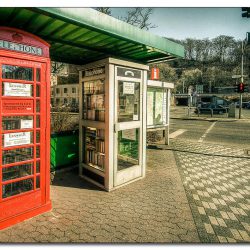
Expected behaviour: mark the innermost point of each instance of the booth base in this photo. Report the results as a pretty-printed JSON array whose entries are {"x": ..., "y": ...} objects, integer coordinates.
[{"x": 26, "y": 215}]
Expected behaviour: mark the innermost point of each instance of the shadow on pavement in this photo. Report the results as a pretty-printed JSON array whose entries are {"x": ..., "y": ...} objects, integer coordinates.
[{"x": 72, "y": 179}]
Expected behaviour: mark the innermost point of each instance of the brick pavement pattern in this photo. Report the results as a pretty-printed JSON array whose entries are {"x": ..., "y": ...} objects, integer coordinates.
[
  {"x": 154, "y": 209},
  {"x": 216, "y": 180}
]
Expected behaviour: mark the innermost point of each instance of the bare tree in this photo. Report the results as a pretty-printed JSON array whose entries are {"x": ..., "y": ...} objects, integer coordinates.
[
  {"x": 105, "y": 10},
  {"x": 56, "y": 67},
  {"x": 139, "y": 17}
]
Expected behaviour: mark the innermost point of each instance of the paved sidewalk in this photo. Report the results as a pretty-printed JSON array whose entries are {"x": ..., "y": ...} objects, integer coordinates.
[
  {"x": 216, "y": 180},
  {"x": 154, "y": 209}
]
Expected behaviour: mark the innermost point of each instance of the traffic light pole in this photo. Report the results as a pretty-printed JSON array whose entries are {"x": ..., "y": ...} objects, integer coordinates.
[{"x": 240, "y": 106}]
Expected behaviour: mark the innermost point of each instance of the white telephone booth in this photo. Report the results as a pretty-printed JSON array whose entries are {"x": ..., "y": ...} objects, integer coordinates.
[{"x": 113, "y": 122}]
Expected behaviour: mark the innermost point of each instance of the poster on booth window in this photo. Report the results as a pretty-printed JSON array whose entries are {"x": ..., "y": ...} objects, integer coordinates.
[
  {"x": 17, "y": 89},
  {"x": 128, "y": 88},
  {"x": 26, "y": 124},
  {"x": 158, "y": 108},
  {"x": 16, "y": 139},
  {"x": 164, "y": 108},
  {"x": 150, "y": 107}
]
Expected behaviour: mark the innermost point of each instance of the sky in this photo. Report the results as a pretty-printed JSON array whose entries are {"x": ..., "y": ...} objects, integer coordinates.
[{"x": 199, "y": 23}]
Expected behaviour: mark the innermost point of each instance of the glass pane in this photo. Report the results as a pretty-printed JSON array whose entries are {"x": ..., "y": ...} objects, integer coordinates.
[
  {"x": 17, "y": 155},
  {"x": 37, "y": 152},
  {"x": 158, "y": 108},
  {"x": 150, "y": 107},
  {"x": 37, "y": 136},
  {"x": 38, "y": 75},
  {"x": 38, "y": 182},
  {"x": 17, "y": 139},
  {"x": 17, "y": 89},
  {"x": 94, "y": 100},
  {"x": 17, "y": 187},
  {"x": 38, "y": 90},
  {"x": 38, "y": 166},
  {"x": 128, "y": 101},
  {"x": 17, "y": 122},
  {"x": 16, "y": 72},
  {"x": 37, "y": 105},
  {"x": 38, "y": 121},
  {"x": 17, "y": 171},
  {"x": 128, "y": 148}
]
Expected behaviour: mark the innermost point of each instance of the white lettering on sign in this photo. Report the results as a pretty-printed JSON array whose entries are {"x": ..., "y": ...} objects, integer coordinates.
[
  {"x": 93, "y": 72},
  {"x": 21, "y": 47},
  {"x": 16, "y": 139},
  {"x": 26, "y": 124},
  {"x": 17, "y": 89},
  {"x": 128, "y": 88}
]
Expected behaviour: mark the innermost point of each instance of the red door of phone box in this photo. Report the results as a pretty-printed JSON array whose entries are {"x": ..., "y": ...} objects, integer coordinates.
[{"x": 25, "y": 126}]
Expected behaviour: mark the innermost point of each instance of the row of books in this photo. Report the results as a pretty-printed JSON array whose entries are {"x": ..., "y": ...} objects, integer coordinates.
[
  {"x": 94, "y": 115},
  {"x": 100, "y": 146},
  {"x": 94, "y": 132},
  {"x": 93, "y": 158},
  {"x": 94, "y": 140},
  {"x": 95, "y": 101},
  {"x": 94, "y": 87},
  {"x": 100, "y": 133}
]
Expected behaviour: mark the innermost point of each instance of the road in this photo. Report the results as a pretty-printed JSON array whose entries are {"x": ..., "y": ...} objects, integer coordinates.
[{"x": 231, "y": 133}]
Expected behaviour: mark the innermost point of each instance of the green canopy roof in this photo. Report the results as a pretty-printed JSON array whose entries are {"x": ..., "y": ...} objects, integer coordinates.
[{"x": 82, "y": 35}]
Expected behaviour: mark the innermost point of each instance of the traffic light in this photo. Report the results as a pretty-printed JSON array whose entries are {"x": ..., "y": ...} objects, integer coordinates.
[{"x": 241, "y": 87}]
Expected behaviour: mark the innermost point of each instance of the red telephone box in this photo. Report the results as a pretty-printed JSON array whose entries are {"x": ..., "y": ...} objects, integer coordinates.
[{"x": 25, "y": 126}]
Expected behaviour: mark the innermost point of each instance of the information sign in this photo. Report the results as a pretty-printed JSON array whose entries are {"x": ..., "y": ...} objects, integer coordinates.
[
  {"x": 16, "y": 139},
  {"x": 17, "y": 89}
]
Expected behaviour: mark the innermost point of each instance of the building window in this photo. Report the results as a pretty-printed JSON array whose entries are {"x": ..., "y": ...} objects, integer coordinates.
[
  {"x": 65, "y": 100},
  {"x": 57, "y": 90},
  {"x": 65, "y": 90},
  {"x": 73, "y": 101},
  {"x": 73, "y": 90},
  {"x": 57, "y": 100}
]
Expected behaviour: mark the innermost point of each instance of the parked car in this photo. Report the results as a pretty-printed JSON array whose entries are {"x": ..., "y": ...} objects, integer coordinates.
[{"x": 244, "y": 104}]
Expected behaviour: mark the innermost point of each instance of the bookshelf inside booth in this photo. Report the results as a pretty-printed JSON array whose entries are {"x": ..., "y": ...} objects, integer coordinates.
[
  {"x": 95, "y": 148},
  {"x": 93, "y": 127}
]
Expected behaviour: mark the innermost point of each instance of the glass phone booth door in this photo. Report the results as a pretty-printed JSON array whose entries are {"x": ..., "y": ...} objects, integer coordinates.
[{"x": 128, "y": 125}]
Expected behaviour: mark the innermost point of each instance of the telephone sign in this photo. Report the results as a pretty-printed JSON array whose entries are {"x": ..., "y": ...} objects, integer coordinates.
[{"x": 25, "y": 126}]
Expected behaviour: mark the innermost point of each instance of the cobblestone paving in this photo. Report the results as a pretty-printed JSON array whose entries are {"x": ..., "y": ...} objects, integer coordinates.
[
  {"x": 217, "y": 184},
  {"x": 154, "y": 209}
]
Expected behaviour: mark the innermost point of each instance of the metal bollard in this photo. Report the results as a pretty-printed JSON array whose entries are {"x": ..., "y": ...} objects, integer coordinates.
[{"x": 212, "y": 112}]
